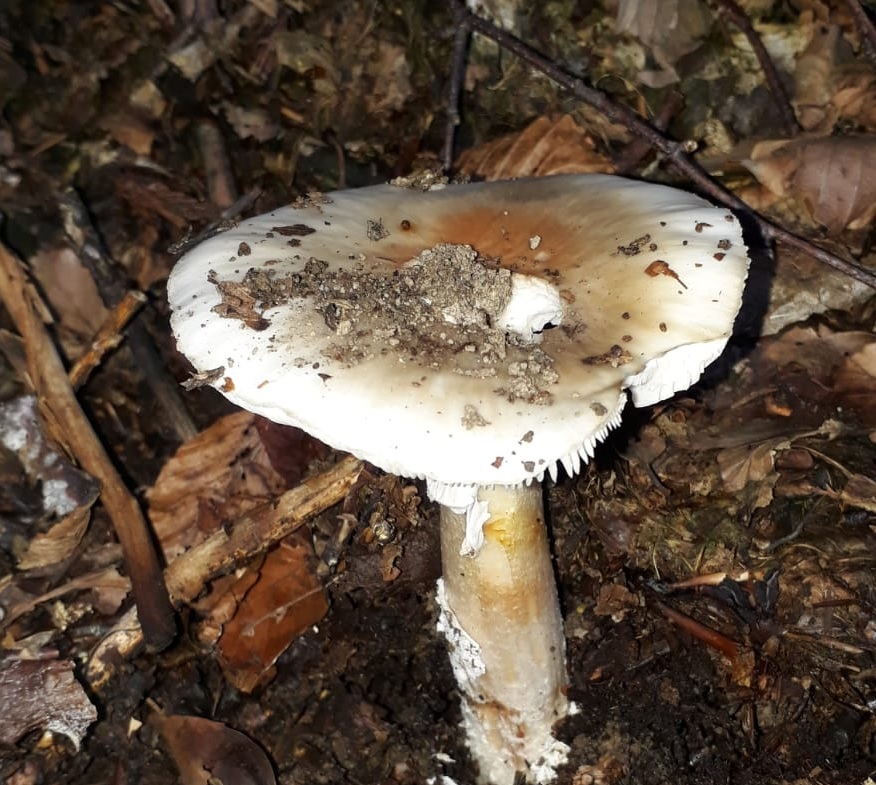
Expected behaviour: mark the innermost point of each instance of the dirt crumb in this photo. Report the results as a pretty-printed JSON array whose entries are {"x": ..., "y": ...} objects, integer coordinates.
[{"x": 438, "y": 311}]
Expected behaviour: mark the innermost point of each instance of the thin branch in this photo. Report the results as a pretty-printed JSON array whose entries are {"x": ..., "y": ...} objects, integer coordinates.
[
  {"x": 675, "y": 152},
  {"x": 731, "y": 10},
  {"x": 221, "y": 188},
  {"x": 108, "y": 337},
  {"x": 49, "y": 378},
  {"x": 454, "y": 91},
  {"x": 632, "y": 155}
]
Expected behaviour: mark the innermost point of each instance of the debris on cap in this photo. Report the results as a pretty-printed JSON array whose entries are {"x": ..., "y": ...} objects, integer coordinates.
[{"x": 430, "y": 333}]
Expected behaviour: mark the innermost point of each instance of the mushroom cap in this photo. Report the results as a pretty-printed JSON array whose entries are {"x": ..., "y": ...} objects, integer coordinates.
[{"x": 475, "y": 334}]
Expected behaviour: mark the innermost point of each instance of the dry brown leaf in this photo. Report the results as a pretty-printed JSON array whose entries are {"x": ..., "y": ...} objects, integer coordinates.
[
  {"x": 251, "y": 123},
  {"x": 859, "y": 491},
  {"x": 59, "y": 543},
  {"x": 834, "y": 178},
  {"x": 391, "y": 74},
  {"x": 546, "y": 146},
  {"x": 819, "y": 350},
  {"x": 208, "y": 752},
  {"x": 130, "y": 131},
  {"x": 615, "y": 600},
  {"x": 45, "y": 695},
  {"x": 813, "y": 78},
  {"x": 841, "y": 365},
  {"x": 854, "y": 96},
  {"x": 278, "y": 601},
  {"x": 219, "y": 474},
  {"x": 855, "y": 382},
  {"x": 108, "y": 586},
  {"x": 72, "y": 295},
  {"x": 754, "y": 465},
  {"x": 389, "y": 555}
]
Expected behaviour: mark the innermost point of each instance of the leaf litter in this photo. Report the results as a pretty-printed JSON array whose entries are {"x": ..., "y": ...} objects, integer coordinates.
[{"x": 716, "y": 559}]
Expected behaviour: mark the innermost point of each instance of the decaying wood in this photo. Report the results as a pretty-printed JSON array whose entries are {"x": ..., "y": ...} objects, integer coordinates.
[
  {"x": 258, "y": 530},
  {"x": 108, "y": 337},
  {"x": 49, "y": 378},
  {"x": 43, "y": 695},
  {"x": 220, "y": 180}
]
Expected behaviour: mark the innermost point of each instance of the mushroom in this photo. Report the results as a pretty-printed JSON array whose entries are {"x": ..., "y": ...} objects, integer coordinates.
[{"x": 478, "y": 336}]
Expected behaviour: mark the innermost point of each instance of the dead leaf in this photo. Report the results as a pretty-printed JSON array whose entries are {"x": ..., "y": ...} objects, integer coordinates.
[
  {"x": 108, "y": 586},
  {"x": 251, "y": 123},
  {"x": 276, "y": 602},
  {"x": 389, "y": 555},
  {"x": 860, "y": 492},
  {"x": 222, "y": 472},
  {"x": 546, "y": 146},
  {"x": 72, "y": 295},
  {"x": 59, "y": 543},
  {"x": 834, "y": 178},
  {"x": 210, "y": 753},
  {"x": 854, "y": 95},
  {"x": 129, "y": 130},
  {"x": 391, "y": 74},
  {"x": 813, "y": 78},
  {"x": 43, "y": 694},
  {"x": 615, "y": 600}
]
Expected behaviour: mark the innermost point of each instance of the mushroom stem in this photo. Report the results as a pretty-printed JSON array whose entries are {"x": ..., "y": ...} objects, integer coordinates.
[{"x": 501, "y": 617}]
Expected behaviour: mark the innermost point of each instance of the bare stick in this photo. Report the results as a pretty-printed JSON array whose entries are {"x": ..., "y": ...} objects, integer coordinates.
[
  {"x": 108, "y": 337},
  {"x": 675, "y": 152},
  {"x": 239, "y": 540},
  {"x": 217, "y": 168},
  {"x": 737, "y": 16},
  {"x": 257, "y": 530},
  {"x": 49, "y": 378},
  {"x": 454, "y": 91},
  {"x": 228, "y": 217}
]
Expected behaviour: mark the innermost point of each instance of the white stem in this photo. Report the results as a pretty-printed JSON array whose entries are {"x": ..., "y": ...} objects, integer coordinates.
[{"x": 502, "y": 619}]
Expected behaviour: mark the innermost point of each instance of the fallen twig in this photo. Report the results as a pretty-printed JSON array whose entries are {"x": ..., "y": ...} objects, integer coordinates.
[
  {"x": 676, "y": 153},
  {"x": 239, "y": 540},
  {"x": 737, "y": 16},
  {"x": 49, "y": 378},
  {"x": 718, "y": 641},
  {"x": 257, "y": 530},
  {"x": 638, "y": 149},
  {"x": 228, "y": 217},
  {"x": 108, "y": 337},
  {"x": 220, "y": 181}
]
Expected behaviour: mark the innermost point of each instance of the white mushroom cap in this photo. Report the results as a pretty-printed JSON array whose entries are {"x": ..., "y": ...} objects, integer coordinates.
[{"x": 360, "y": 317}]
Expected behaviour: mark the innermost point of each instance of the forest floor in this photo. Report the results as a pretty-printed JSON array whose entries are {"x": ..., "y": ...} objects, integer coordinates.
[{"x": 717, "y": 559}]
